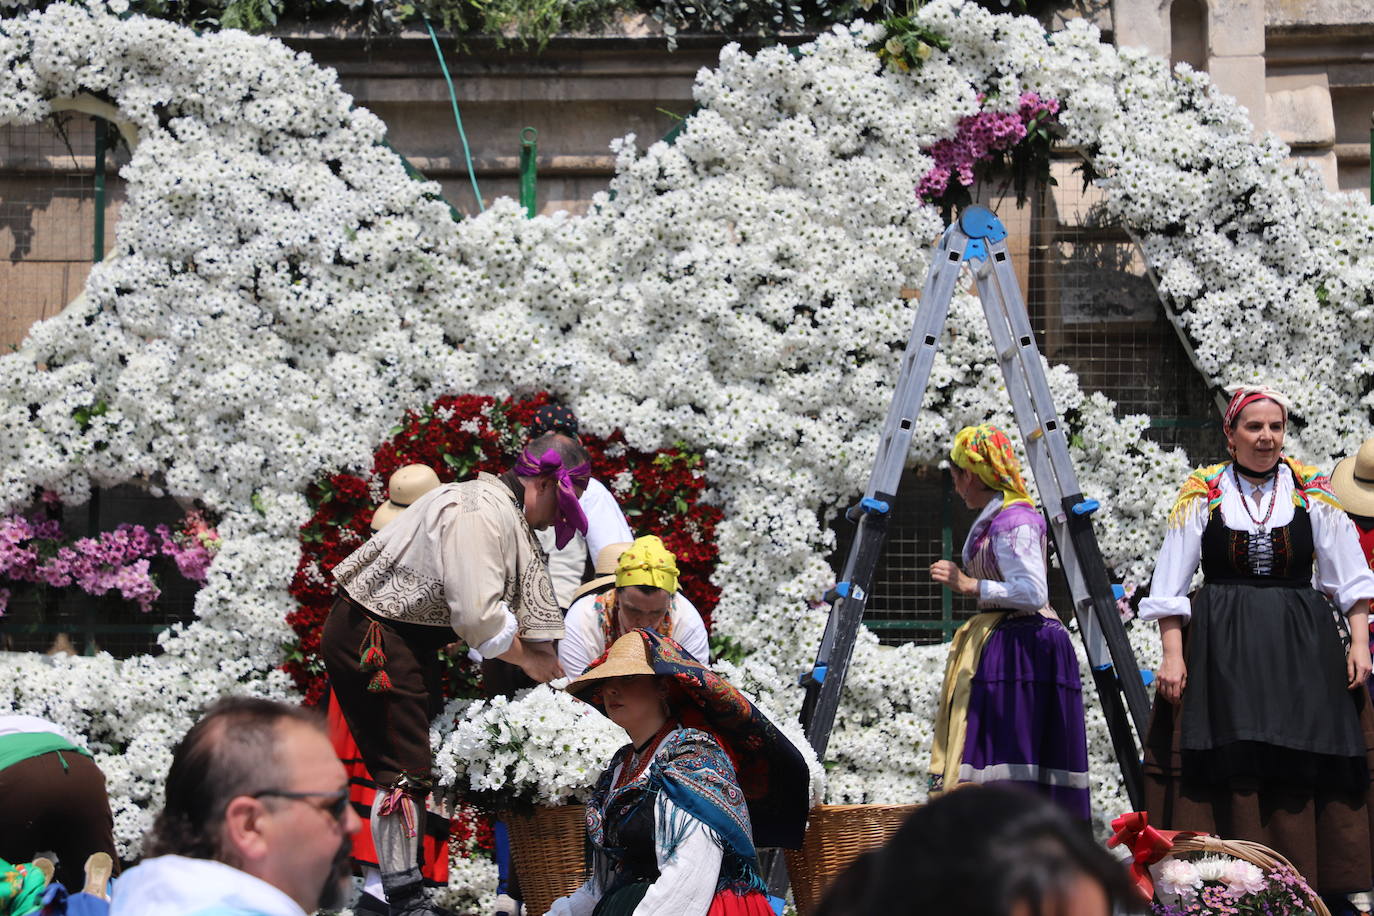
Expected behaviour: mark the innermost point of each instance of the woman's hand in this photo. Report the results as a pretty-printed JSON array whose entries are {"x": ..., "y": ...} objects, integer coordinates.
[
  {"x": 1357, "y": 659},
  {"x": 1173, "y": 678},
  {"x": 948, "y": 573},
  {"x": 1357, "y": 664}
]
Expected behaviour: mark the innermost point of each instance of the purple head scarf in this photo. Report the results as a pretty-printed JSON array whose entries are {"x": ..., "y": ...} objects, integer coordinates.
[{"x": 571, "y": 519}]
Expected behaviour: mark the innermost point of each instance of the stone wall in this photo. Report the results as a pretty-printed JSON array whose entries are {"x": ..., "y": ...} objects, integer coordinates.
[{"x": 1301, "y": 68}]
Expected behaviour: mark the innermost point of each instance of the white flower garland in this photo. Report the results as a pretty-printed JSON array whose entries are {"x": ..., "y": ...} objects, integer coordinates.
[{"x": 280, "y": 292}]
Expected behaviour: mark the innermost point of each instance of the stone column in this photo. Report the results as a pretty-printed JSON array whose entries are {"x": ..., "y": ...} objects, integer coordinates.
[{"x": 1235, "y": 53}]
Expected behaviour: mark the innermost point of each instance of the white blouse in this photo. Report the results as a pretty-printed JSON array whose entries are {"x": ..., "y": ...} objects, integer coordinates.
[
  {"x": 1339, "y": 571},
  {"x": 687, "y": 879},
  {"x": 1020, "y": 554}
]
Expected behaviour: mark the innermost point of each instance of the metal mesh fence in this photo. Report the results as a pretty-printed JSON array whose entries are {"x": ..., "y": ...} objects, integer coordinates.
[
  {"x": 1095, "y": 310},
  {"x": 44, "y": 619},
  {"x": 54, "y": 210}
]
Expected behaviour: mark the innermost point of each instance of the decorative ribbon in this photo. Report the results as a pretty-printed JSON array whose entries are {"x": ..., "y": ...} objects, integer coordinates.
[
  {"x": 1147, "y": 846},
  {"x": 571, "y": 519},
  {"x": 397, "y": 799},
  {"x": 1243, "y": 396}
]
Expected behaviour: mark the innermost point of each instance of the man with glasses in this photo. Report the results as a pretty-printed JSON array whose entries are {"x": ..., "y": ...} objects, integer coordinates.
[{"x": 257, "y": 820}]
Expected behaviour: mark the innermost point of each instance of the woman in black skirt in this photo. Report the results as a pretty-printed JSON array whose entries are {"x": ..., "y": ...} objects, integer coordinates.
[{"x": 1260, "y": 731}]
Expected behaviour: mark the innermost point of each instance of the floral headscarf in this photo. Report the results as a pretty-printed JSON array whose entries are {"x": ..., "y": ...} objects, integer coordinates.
[
  {"x": 647, "y": 562},
  {"x": 986, "y": 451}
]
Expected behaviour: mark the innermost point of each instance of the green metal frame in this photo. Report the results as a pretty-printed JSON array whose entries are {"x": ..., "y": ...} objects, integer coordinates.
[{"x": 529, "y": 170}]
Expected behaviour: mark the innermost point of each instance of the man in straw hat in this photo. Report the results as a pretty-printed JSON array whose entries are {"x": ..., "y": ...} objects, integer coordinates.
[
  {"x": 403, "y": 488},
  {"x": 462, "y": 559},
  {"x": 645, "y": 596},
  {"x": 1353, "y": 484}
]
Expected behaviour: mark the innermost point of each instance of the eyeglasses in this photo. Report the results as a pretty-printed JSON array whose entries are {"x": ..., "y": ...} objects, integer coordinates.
[{"x": 336, "y": 805}]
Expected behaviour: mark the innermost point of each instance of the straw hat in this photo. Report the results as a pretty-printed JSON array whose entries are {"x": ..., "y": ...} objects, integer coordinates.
[
  {"x": 1353, "y": 481},
  {"x": 771, "y": 771},
  {"x": 405, "y": 486},
  {"x": 606, "y": 562}
]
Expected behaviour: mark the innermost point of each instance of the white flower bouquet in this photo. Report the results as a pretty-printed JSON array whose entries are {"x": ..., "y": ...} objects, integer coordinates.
[{"x": 542, "y": 748}]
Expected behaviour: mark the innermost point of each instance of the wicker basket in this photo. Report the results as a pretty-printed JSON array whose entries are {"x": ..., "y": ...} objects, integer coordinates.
[
  {"x": 548, "y": 848},
  {"x": 1262, "y": 857},
  {"x": 835, "y": 836}
]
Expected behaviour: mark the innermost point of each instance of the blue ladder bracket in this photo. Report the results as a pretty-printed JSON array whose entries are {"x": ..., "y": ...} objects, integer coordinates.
[
  {"x": 975, "y": 250},
  {"x": 1106, "y": 667},
  {"x": 981, "y": 223},
  {"x": 815, "y": 676},
  {"x": 1086, "y": 507},
  {"x": 1147, "y": 676},
  {"x": 849, "y": 590},
  {"x": 869, "y": 504}
]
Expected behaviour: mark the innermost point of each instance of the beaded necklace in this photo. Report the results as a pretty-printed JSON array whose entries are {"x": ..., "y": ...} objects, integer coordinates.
[
  {"x": 639, "y": 760},
  {"x": 1273, "y": 499}
]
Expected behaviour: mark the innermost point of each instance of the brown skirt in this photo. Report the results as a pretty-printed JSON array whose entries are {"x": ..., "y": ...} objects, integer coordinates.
[
  {"x": 1326, "y": 834},
  {"x": 391, "y": 726},
  {"x": 56, "y": 803}
]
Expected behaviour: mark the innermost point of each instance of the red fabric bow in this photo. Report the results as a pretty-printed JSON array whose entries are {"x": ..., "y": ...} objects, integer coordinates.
[{"x": 1147, "y": 845}]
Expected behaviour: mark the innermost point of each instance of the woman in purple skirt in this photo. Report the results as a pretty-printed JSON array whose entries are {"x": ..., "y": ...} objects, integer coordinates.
[{"x": 1011, "y": 710}]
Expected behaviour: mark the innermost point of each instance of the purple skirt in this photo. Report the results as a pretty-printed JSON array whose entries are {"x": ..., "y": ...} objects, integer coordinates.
[{"x": 1025, "y": 714}]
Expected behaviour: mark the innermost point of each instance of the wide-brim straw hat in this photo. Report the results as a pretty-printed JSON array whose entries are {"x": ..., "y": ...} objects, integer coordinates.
[
  {"x": 405, "y": 486},
  {"x": 772, "y": 772},
  {"x": 1353, "y": 481},
  {"x": 606, "y": 562}
]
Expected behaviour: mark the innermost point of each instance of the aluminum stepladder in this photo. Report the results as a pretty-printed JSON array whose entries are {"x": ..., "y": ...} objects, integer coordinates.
[{"x": 979, "y": 239}]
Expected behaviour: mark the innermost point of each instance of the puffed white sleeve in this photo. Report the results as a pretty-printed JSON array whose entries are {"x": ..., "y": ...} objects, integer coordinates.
[
  {"x": 1021, "y": 558},
  {"x": 579, "y": 648},
  {"x": 687, "y": 878},
  {"x": 1174, "y": 568},
  {"x": 689, "y": 629},
  {"x": 606, "y": 524},
  {"x": 580, "y": 902},
  {"x": 1341, "y": 570}
]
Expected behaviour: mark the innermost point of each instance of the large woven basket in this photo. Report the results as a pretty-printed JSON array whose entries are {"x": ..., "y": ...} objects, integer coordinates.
[
  {"x": 835, "y": 836},
  {"x": 549, "y": 852},
  {"x": 1262, "y": 857}
]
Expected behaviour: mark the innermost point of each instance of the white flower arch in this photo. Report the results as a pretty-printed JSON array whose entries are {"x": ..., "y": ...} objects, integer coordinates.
[{"x": 280, "y": 292}]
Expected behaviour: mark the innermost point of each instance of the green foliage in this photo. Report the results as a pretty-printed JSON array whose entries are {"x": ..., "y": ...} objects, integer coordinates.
[{"x": 529, "y": 23}]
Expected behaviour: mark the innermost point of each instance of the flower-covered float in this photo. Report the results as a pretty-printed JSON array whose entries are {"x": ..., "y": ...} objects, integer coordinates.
[{"x": 281, "y": 293}]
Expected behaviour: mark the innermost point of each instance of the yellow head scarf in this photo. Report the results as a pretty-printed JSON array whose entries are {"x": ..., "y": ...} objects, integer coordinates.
[
  {"x": 986, "y": 451},
  {"x": 647, "y": 562}
]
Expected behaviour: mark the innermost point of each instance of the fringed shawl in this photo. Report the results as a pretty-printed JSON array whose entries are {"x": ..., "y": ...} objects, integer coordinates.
[{"x": 1309, "y": 484}]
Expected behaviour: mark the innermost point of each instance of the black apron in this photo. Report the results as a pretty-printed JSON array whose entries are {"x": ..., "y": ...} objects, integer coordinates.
[{"x": 1266, "y": 696}]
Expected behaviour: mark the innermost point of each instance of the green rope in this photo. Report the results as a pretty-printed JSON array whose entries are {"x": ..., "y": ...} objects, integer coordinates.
[{"x": 457, "y": 118}]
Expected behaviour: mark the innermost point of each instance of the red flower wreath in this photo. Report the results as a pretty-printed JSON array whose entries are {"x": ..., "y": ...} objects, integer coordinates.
[{"x": 459, "y": 436}]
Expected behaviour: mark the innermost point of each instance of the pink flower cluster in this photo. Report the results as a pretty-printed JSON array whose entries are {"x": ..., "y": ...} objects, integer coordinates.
[
  {"x": 33, "y": 549},
  {"x": 979, "y": 136}
]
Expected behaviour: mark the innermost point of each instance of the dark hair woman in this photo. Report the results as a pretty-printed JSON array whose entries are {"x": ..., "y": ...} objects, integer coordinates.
[
  {"x": 1259, "y": 730},
  {"x": 987, "y": 851}
]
